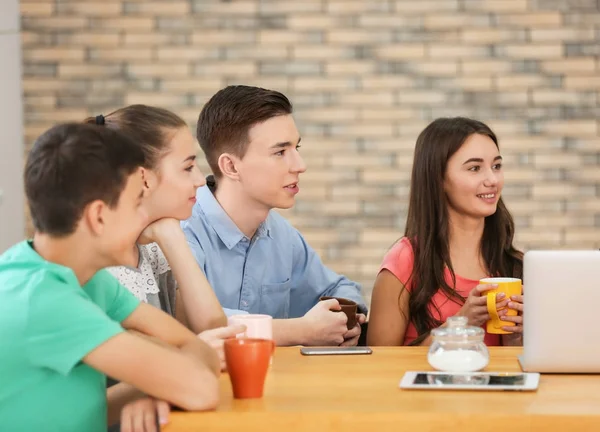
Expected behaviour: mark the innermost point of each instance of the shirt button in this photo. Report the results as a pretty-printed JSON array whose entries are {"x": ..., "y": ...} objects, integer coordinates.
[{"x": 244, "y": 303}]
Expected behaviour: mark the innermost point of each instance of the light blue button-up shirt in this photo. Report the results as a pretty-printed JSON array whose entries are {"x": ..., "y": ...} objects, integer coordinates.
[{"x": 275, "y": 273}]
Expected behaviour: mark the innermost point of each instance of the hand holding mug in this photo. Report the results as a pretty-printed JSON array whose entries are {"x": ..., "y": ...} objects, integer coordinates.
[
  {"x": 324, "y": 326},
  {"x": 352, "y": 336},
  {"x": 475, "y": 307},
  {"x": 504, "y": 319},
  {"x": 516, "y": 303}
]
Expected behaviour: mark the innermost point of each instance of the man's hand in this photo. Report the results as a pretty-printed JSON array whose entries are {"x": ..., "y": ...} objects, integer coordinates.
[
  {"x": 324, "y": 326},
  {"x": 351, "y": 337}
]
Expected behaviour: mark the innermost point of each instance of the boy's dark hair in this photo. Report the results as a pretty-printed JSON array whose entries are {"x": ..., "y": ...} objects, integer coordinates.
[
  {"x": 70, "y": 166},
  {"x": 227, "y": 117},
  {"x": 150, "y": 127}
]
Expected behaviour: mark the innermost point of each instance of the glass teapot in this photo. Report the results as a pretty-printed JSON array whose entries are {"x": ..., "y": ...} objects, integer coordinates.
[{"x": 458, "y": 347}]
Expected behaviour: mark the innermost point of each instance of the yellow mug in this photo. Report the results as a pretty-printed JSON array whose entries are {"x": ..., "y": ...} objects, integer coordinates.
[{"x": 508, "y": 286}]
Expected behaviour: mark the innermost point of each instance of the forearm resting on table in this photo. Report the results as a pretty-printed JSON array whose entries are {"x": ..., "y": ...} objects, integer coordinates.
[
  {"x": 194, "y": 348},
  {"x": 153, "y": 339},
  {"x": 287, "y": 332}
]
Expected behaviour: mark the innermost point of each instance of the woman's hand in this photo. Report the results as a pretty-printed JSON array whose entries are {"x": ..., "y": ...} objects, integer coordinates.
[
  {"x": 215, "y": 338},
  {"x": 516, "y": 337},
  {"x": 475, "y": 307},
  {"x": 157, "y": 230}
]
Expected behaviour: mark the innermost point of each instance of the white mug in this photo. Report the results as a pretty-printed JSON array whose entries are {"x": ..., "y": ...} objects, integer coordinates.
[{"x": 257, "y": 325}]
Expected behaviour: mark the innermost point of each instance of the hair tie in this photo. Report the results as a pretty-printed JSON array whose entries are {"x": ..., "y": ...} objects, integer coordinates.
[
  {"x": 100, "y": 120},
  {"x": 211, "y": 183}
]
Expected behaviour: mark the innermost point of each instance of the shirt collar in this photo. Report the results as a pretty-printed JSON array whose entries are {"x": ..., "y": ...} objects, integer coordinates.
[
  {"x": 220, "y": 221},
  {"x": 27, "y": 251},
  {"x": 264, "y": 229}
]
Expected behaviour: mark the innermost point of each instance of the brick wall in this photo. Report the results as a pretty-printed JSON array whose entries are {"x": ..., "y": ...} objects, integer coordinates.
[{"x": 365, "y": 78}]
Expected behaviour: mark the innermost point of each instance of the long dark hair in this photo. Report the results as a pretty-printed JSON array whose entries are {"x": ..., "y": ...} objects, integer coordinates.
[{"x": 427, "y": 222}]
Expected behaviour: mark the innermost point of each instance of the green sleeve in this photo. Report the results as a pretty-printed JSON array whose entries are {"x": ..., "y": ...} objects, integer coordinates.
[
  {"x": 110, "y": 295},
  {"x": 64, "y": 324}
]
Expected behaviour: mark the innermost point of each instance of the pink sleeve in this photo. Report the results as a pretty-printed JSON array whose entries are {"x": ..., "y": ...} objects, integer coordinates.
[{"x": 399, "y": 261}]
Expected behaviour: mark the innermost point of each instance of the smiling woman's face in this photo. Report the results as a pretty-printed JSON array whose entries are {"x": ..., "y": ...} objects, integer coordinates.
[
  {"x": 176, "y": 179},
  {"x": 474, "y": 178}
]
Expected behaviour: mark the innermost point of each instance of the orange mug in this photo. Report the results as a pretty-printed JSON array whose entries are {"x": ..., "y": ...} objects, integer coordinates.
[
  {"x": 247, "y": 364},
  {"x": 508, "y": 286}
]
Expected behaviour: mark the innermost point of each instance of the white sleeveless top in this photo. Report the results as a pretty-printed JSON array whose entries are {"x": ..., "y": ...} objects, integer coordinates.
[{"x": 152, "y": 281}]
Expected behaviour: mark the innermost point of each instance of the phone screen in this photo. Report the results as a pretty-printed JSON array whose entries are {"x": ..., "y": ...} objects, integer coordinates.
[
  {"x": 335, "y": 350},
  {"x": 470, "y": 379}
]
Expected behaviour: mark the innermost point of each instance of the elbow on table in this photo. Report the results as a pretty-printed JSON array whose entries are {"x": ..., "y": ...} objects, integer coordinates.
[{"x": 201, "y": 393}]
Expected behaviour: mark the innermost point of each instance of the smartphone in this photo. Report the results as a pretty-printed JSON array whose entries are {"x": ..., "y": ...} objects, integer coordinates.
[
  {"x": 335, "y": 350},
  {"x": 471, "y": 381}
]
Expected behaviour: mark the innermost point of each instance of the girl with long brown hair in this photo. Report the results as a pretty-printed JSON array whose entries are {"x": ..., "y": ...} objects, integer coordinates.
[
  {"x": 167, "y": 275},
  {"x": 458, "y": 231}
]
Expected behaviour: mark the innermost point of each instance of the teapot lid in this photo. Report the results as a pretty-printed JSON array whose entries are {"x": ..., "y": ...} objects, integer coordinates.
[{"x": 457, "y": 329}]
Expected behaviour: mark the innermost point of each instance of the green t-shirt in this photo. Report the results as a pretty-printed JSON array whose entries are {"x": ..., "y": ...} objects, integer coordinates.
[{"x": 48, "y": 323}]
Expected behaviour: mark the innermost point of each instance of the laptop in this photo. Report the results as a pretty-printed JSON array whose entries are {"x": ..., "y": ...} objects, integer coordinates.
[{"x": 561, "y": 322}]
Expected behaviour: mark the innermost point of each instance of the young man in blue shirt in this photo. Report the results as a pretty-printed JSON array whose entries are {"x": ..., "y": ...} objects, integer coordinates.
[{"x": 254, "y": 259}]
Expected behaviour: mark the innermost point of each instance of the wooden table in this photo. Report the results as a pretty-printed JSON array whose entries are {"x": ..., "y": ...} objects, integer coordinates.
[{"x": 356, "y": 393}]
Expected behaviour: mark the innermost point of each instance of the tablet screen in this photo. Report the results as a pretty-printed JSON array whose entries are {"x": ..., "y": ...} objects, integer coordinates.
[{"x": 457, "y": 379}]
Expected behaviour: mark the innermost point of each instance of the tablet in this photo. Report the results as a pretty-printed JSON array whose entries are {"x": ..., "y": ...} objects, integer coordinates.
[{"x": 470, "y": 381}]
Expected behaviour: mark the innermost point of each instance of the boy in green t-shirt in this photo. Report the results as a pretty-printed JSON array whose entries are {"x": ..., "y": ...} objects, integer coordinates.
[{"x": 63, "y": 319}]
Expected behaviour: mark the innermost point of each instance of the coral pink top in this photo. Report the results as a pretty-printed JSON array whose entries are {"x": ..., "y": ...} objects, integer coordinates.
[{"x": 400, "y": 260}]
